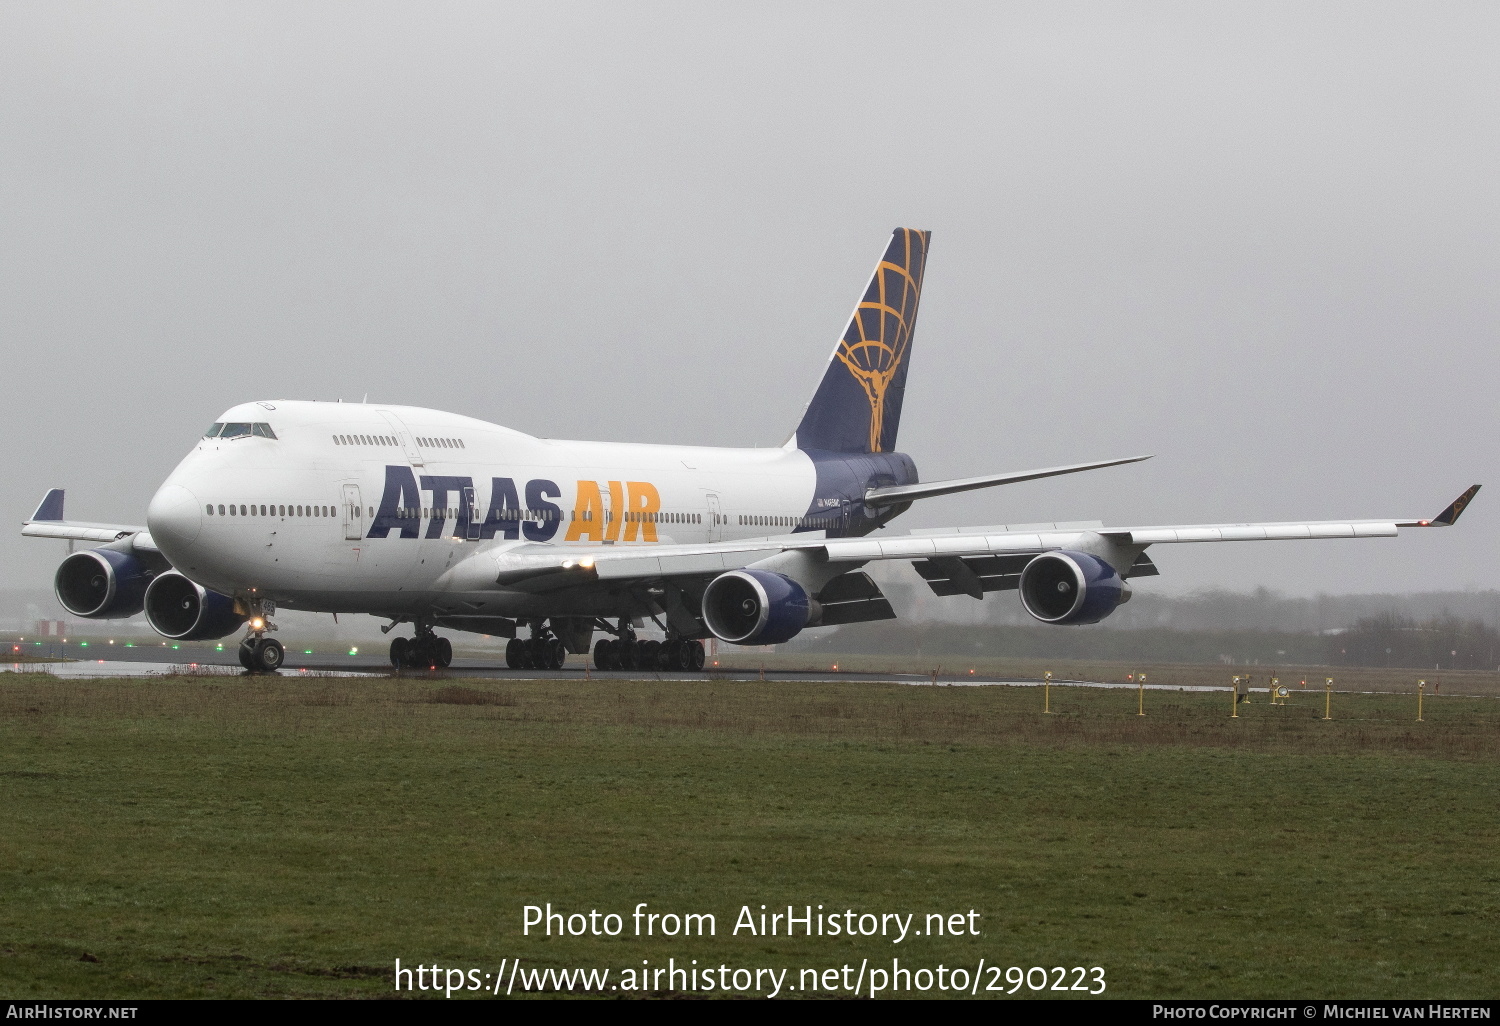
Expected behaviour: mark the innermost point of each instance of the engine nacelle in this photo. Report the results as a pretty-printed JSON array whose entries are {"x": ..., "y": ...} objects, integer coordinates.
[
  {"x": 755, "y": 607},
  {"x": 1066, "y": 587},
  {"x": 101, "y": 584},
  {"x": 178, "y": 609}
]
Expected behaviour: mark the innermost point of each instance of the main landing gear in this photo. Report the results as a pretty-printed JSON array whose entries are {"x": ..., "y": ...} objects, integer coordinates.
[
  {"x": 258, "y": 653},
  {"x": 626, "y": 653},
  {"x": 541, "y": 651},
  {"x": 426, "y": 651}
]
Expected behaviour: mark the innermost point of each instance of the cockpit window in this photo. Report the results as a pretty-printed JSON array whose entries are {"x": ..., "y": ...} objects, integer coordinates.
[
  {"x": 213, "y": 431},
  {"x": 235, "y": 431},
  {"x": 264, "y": 431}
]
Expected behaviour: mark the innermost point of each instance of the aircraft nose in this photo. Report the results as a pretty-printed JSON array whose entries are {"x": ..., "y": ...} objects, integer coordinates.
[{"x": 174, "y": 518}]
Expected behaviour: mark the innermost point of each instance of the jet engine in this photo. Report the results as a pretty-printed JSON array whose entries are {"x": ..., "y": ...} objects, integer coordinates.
[
  {"x": 102, "y": 584},
  {"x": 756, "y": 607},
  {"x": 1066, "y": 587},
  {"x": 178, "y": 609}
]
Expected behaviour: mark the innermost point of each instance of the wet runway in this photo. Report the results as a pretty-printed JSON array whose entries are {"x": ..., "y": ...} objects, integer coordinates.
[{"x": 487, "y": 670}]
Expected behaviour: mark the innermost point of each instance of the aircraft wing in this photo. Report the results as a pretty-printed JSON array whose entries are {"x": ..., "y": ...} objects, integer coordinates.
[
  {"x": 547, "y": 567},
  {"x": 48, "y": 522}
]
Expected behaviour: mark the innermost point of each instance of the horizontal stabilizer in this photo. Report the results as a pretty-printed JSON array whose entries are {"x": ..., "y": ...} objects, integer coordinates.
[{"x": 907, "y": 493}]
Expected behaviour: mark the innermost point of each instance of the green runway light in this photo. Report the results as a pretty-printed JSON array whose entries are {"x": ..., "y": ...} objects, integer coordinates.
[
  {"x": 83, "y": 644},
  {"x": 354, "y": 651},
  {"x": 307, "y": 651},
  {"x": 219, "y": 646},
  {"x": 176, "y": 646},
  {"x": 130, "y": 644}
]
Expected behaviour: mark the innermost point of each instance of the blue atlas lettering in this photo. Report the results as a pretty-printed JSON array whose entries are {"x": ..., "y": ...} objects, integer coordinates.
[
  {"x": 548, "y": 515},
  {"x": 504, "y": 514},
  {"x": 400, "y": 506},
  {"x": 441, "y": 488}
]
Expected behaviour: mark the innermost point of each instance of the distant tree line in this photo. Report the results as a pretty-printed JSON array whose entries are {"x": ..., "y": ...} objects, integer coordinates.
[
  {"x": 1389, "y": 639},
  {"x": 1382, "y": 639}
]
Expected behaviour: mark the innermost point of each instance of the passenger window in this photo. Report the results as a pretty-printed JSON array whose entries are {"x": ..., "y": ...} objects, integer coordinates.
[
  {"x": 213, "y": 431},
  {"x": 221, "y": 509},
  {"x": 231, "y": 511}
]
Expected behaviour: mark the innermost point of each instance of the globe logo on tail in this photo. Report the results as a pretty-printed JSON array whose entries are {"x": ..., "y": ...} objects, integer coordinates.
[{"x": 879, "y": 334}]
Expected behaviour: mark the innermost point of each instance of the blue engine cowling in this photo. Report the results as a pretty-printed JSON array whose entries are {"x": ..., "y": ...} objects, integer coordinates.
[
  {"x": 755, "y": 607},
  {"x": 1066, "y": 587},
  {"x": 178, "y": 609},
  {"x": 101, "y": 584}
]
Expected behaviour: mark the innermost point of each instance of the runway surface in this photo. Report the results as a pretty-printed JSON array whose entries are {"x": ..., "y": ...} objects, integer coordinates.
[{"x": 483, "y": 669}]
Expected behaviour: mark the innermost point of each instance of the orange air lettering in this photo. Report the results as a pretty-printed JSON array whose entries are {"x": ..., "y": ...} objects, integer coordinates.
[
  {"x": 588, "y": 514},
  {"x": 644, "y": 502},
  {"x": 616, "y": 511}
]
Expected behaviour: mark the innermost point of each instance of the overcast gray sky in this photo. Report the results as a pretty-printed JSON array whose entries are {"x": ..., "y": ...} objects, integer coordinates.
[{"x": 1258, "y": 240}]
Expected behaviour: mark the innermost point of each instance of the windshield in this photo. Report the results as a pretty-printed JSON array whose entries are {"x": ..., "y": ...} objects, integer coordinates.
[{"x": 240, "y": 430}]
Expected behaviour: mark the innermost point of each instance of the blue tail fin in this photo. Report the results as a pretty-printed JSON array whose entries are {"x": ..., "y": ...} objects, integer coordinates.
[{"x": 857, "y": 406}]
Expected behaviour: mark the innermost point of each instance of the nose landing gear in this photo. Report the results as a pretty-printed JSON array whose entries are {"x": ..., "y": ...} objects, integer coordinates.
[{"x": 258, "y": 653}]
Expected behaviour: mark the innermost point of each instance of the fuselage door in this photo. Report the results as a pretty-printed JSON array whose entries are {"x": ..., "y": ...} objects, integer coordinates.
[
  {"x": 354, "y": 510},
  {"x": 715, "y": 518},
  {"x": 408, "y": 443},
  {"x": 475, "y": 519}
]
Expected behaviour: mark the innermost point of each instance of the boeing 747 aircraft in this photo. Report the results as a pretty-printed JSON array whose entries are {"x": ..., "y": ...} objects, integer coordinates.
[{"x": 444, "y": 522}]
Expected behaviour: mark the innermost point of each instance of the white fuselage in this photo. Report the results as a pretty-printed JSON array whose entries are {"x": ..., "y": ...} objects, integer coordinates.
[{"x": 298, "y": 518}]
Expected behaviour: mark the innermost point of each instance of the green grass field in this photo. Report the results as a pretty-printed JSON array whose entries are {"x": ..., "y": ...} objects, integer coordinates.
[{"x": 277, "y": 837}]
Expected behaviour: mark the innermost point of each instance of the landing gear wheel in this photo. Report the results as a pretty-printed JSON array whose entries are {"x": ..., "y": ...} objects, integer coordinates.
[
  {"x": 603, "y": 657},
  {"x": 400, "y": 653},
  {"x": 699, "y": 656},
  {"x": 419, "y": 653},
  {"x": 268, "y": 656},
  {"x": 647, "y": 654},
  {"x": 513, "y": 650},
  {"x": 624, "y": 654},
  {"x": 557, "y": 654},
  {"x": 442, "y": 652},
  {"x": 247, "y": 653}
]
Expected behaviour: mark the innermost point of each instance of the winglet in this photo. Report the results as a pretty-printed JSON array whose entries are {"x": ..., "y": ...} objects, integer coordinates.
[
  {"x": 52, "y": 506},
  {"x": 1449, "y": 516}
]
